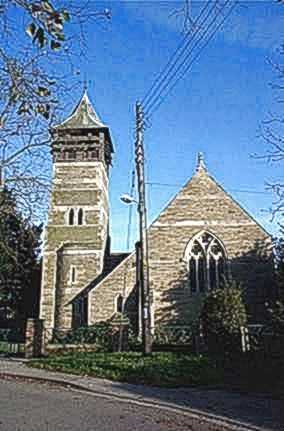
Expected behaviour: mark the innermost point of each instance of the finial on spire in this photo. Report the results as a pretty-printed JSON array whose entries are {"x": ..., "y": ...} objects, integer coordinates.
[
  {"x": 200, "y": 162},
  {"x": 85, "y": 86},
  {"x": 86, "y": 83}
]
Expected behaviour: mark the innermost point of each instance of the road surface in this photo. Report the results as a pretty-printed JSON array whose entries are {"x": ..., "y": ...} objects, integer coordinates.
[{"x": 30, "y": 406}]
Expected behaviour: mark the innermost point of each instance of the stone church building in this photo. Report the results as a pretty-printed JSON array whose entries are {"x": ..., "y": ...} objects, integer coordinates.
[{"x": 201, "y": 236}]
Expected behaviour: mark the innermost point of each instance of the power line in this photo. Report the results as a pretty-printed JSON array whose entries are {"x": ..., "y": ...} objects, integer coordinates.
[
  {"x": 150, "y": 183},
  {"x": 173, "y": 70},
  {"x": 256, "y": 192},
  {"x": 152, "y": 108},
  {"x": 180, "y": 46},
  {"x": 158, "y": 184}
]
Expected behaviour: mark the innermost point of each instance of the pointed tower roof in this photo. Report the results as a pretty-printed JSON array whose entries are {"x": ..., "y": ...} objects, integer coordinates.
[{"x": 83, "y": 116}]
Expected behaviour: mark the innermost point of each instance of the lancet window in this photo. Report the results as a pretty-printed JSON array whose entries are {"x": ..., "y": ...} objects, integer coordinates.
[
  {"x": 71, "y": 217},
  {"x": 119, "y": 304},
  {"x": 75, "y": 216},
  {"x": 206, "y": 262},
  {"x": 80, "y": 216}
]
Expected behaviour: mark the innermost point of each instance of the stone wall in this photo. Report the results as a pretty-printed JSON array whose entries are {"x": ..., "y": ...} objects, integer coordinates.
[
  {"x": 34, "y": 338},
  {"x": 75, "y": 185},
  {"x": 202, "y": 205},
  {"x": 102, "y": 297}
]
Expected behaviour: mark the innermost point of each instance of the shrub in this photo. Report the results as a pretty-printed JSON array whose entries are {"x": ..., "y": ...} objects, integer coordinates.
[
  {"x": 222, "y": 316},
  {"x": 100, "y": 334},
  {"x": 134, "y": 340},
  {"x": 173, "y": 335},
  {"x": 273, "y": 334},
  {"x": 276, "y": 318}
]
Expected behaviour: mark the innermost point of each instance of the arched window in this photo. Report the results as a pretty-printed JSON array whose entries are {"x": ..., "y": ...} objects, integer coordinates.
[
  {"x": 71, "y": 216},
  {"x": 80, "y": 217},
  {"x": 206, "y": 262},
  {"x": 119, "y": 304}
]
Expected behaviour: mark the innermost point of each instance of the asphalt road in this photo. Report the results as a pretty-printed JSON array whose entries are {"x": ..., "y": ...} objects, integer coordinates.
[{"x": 30, "y": 406}]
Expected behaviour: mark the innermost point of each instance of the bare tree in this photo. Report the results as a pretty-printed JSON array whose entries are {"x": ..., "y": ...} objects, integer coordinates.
[
  {"x": 38, "y": 38},
  {"x": 272, "y": 132},
  {"x": 185, "y": 14}
]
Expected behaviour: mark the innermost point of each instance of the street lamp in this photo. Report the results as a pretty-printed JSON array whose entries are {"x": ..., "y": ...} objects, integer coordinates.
[
  {"x": 127, "y": 199},
  {"x": 142, "y": 279}
]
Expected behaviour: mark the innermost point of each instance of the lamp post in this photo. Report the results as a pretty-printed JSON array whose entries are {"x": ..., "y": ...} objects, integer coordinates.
[
  {"x": 144, "y": 296},
  {"x": 1, "y": 178}
]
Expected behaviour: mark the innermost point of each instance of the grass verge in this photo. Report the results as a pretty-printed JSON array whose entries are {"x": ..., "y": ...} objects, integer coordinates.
[{"x": 161, "y": 369}]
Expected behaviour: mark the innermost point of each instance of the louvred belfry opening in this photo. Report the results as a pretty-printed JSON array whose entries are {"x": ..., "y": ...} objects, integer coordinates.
[{"x": 82, "y": 136}]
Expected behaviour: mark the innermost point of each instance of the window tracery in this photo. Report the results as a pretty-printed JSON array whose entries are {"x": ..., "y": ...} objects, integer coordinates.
[{"x": 206, "y": 262}]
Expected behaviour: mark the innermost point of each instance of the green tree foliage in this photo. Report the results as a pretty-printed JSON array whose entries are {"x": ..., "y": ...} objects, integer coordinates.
[
  {"x": 19, "y": 252},
  {"x": 222, "y": 316}
]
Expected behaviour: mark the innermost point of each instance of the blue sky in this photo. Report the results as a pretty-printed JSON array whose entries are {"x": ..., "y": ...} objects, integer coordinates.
[{"x": 217, "y": 108}]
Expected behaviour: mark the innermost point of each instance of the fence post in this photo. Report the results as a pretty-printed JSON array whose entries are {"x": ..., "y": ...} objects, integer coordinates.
[
  {"x": 120, "y": 333},
  {"x": 245, "y": 344},
  {"x": 34, "y": 343}
]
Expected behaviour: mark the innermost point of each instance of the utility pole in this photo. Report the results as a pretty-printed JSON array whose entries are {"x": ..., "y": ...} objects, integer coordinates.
[
  {"x": 1, "y": 178},
  {"x": 142, "y": 211}
]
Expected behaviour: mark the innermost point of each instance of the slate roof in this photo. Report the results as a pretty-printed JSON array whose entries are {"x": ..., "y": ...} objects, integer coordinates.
[{"x": 83, "y": 116}]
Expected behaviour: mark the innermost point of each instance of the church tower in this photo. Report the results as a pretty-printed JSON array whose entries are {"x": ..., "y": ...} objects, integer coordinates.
[{"x": 76, "y": 237}]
